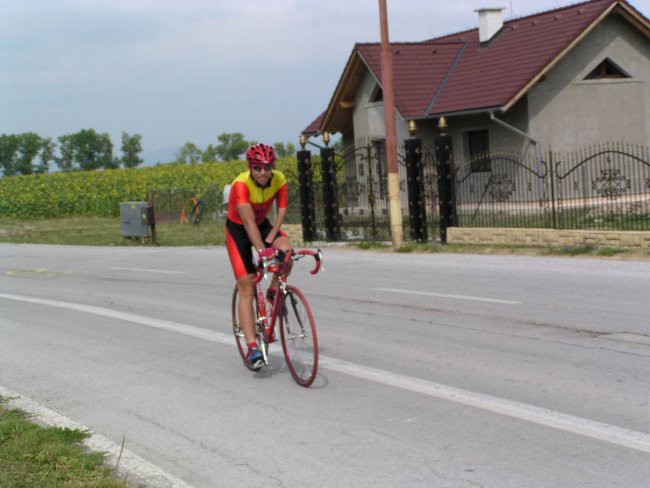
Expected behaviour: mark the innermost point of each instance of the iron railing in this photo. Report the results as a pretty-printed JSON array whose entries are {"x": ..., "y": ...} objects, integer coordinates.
[
  {"x": 606, "y": 187},
  {"x": 601, "y": 187}
]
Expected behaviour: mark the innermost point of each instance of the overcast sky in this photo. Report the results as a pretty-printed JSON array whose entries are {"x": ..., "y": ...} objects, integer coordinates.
[{"x": 176, "y": 71}]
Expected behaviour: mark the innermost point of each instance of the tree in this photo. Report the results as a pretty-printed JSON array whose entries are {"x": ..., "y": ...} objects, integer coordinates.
[
  {"x": 65, "y": 161},
  {"x": 9, "y": 144},
  {"x": 210, "y": 154},
  {"x": 131, "y": 148},
  {"x": 28, "y": 148},
  {"x": 18, "y": 153},
  {"x": 280, "y": 150},
  {"x": 232, "y": 146},
  {"x": 45, "y": 156},
  {"x": 86, "y": 150},
  {"x": 284, "y": 150},
  {"x": 189, "y": 153}
]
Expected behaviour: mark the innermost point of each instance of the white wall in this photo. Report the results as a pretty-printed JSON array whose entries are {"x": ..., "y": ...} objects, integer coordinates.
[{"x": 368, "y": 118}]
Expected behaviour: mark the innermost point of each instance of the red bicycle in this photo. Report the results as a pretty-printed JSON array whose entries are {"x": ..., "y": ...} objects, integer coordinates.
[{"x": 297, "y": 326}]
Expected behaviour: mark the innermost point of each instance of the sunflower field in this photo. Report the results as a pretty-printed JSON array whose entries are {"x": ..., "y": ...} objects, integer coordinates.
[{"x": 99, "y": 193}]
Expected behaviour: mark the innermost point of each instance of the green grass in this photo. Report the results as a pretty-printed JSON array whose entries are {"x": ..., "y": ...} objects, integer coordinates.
[
  {"x": 106, "y": 231},
  {"x": 580, "y": 218},
  {"x": 612, "y": 251},
  {"x": 572, "y": 250},
  {"x": 587, "y": 250},
  {"x": 371, "y": 245},
  {"x": 32, "y": 456}
]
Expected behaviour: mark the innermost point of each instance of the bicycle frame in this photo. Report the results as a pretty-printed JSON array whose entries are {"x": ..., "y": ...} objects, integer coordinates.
[{"x": 281, "y": 269}]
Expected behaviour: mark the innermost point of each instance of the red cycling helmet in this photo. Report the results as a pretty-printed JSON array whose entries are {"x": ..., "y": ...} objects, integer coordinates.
[{"x": 261, "y": 154}]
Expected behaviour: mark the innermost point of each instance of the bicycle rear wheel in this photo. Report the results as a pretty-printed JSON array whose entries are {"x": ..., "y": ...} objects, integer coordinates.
[
  {"x": 240, "y": 338},
  {"x": 299, "y": 339}
]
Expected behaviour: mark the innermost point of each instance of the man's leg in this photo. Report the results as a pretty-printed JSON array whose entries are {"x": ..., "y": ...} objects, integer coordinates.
[
  {"x": 246, "y": 287},
  {"x": 247, "y": 290}
]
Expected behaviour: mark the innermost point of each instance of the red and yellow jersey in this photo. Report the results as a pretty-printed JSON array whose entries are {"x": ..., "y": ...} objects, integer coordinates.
[{"x": 245, "y": 190}]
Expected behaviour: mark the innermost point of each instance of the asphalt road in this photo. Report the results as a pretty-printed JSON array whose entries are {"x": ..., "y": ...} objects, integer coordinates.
[{"x": 437, "y": 370}]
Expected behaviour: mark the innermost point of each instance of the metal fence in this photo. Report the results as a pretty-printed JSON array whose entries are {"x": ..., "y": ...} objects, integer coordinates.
[
  {"x": 502, "y": 189},
  {"x": 353, "y": 183},
  {"x": 188, "y": 206},
  {"x": 605, "y": 187},
  {"x": 359, "y": 190},
  {"x": 363, "y": 192},
  {"x": 601, "y": 187}
]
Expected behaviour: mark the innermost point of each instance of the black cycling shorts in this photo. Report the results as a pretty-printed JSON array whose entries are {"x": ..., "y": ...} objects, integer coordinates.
[{"x": 240, "y": 247}]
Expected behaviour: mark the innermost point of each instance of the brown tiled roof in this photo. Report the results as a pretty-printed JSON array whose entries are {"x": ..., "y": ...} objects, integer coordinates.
[
  {"x": 314, "y": 126},
  {"x": 455, "y": 73},
  {"x": 418, "y": 71},
  {"x": 494, "y": 75}
]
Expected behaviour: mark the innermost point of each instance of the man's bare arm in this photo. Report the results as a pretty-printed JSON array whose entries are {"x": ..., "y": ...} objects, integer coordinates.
[
  {"x": 281, "y": 214},
  {"x": 248, "y": 218}
]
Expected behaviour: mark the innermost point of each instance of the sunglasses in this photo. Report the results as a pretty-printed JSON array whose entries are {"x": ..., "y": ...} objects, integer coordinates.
[{"x": 259, "y": 168}]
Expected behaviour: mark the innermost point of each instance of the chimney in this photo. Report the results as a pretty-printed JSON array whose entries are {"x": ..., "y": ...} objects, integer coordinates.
[{"x": 489, "y": 22}]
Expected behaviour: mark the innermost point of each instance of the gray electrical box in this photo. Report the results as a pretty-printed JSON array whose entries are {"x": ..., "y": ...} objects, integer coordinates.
[{"x": 136, "y": 219}]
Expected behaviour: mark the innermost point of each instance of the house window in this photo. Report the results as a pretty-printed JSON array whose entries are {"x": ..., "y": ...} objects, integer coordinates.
[
  {"x": 377, "y": 95},
  {"x": 606, "y": 69},
  {"x": 478, "y": 142}
]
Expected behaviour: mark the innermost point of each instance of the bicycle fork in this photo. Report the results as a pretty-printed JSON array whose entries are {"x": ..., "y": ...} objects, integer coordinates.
[{"x": 298, "y": 328}]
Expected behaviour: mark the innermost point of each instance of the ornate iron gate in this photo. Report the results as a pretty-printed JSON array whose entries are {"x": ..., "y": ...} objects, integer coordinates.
[
  {"x": 362, "y": 193},
  {"x": 348, "y": 199}
]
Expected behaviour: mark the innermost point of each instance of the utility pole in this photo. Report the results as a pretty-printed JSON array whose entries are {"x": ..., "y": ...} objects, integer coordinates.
[{"x": 394, "y": 200}]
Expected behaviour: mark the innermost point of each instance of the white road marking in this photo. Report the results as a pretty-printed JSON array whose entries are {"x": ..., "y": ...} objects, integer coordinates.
[
  {"x": 145, "y": 270},
  {"x": 537, "y": 415},
  {"x": 568, "y": 423},
  {"x": 129, "y": 463},
  {"x": 445, "y": 295}
]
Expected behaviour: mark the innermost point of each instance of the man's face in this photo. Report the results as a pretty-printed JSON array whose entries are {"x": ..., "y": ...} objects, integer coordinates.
[{"x": 262, "y": 173}]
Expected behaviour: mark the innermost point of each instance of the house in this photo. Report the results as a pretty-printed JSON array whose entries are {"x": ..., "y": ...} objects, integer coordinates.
[{"x": 560, "y": 79}]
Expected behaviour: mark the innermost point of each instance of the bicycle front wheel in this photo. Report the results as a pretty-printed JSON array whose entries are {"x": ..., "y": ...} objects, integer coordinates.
[{"x": 299, "y": 339}]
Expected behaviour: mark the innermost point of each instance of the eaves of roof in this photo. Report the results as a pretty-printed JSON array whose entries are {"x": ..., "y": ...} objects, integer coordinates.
[
  {"x": 315, "y": 125},
  {"x": 342, "y": 99}
]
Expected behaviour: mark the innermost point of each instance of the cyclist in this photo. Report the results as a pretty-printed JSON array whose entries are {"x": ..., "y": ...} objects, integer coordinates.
[{"x": 251, "y": 197}]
